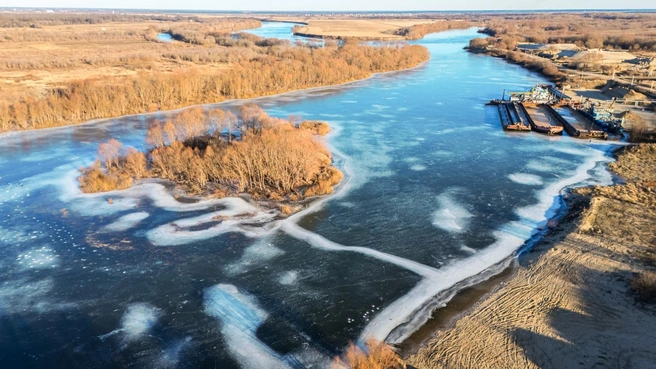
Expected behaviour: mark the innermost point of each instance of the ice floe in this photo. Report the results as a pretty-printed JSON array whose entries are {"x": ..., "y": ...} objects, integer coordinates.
[
  {"x": 138, "y": 320},
  {"x": 21, "y": 296},
  {"x": 259, "y": 252},
  {"x": 239, "y": 216},
  {"x": 288, "y": 278},
  {"x": 526, "y": 179},
  {"x": 240, "y": 317},
  {"x": 126, "y": 222},
  {"x": 451, "y": 216}
]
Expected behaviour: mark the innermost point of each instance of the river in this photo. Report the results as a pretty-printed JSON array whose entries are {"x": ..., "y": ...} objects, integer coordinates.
[{"x": 435, "y": 193}]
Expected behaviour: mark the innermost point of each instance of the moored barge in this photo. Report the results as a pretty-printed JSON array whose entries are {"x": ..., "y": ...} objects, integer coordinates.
[{"x": 540, "y": 119}]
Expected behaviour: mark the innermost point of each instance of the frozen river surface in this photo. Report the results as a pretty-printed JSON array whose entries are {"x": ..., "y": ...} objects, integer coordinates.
[{"x": 435, "y": 193}]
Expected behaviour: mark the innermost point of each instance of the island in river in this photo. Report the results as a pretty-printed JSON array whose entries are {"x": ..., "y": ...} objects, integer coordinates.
[{"x": 216, "y": 154}]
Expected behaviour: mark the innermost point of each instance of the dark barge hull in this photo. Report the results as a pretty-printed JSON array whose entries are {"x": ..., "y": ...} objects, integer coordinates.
[
  {"x": 540, "y": 128},
  {"x": 510, "y": 118},
  {"x": 576, "y": 130}
]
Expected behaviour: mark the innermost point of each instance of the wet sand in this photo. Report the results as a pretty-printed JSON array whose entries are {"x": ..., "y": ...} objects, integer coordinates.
[{"x": 568, "y": 303}]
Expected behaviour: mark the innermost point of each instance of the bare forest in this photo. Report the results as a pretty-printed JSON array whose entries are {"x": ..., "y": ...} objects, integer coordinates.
[
  {"x": 636, "y": 32},
  {"x": 219, "y": 153},
  {"x": 418, "y": 31},
  {"x": 214, "y": 67}
]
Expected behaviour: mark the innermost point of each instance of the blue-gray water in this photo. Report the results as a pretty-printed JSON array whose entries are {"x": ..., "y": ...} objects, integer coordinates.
[
  {"x": 435, "y": 193},
  {"x": 164, "y": 37}
]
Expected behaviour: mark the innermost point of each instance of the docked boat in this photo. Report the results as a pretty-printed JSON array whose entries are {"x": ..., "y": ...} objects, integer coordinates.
[{"x": 539, "y": 119}]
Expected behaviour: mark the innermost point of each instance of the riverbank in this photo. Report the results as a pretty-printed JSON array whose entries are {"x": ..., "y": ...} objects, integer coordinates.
[
  {"x": 217, "y": 104},
  {"x": 539, "y": 65},
  {"x": 569, "y": 302},
  {"x": 92, "y": 99}
]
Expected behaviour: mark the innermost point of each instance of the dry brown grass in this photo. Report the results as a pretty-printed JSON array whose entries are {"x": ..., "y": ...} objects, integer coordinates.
[
  {"x": 644, "y": 285},
  {"x": 389, "y": 29},
  {"x": 380, "y": 29},
  {"x": 56, "y": 52},
  {"x": 376, "y": 355},
  {"x": 330, "y": 177},
  {"x": 316, "y": 127},
  {"x": 94, "y": 179}
]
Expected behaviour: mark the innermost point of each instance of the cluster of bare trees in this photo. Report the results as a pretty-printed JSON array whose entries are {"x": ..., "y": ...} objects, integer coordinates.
[
  {"x": 276, "y": 70},
  {"x": 271, "y": 159},
  {"x": 418, "y": 31},
  {"x": 207, "y": 34}
]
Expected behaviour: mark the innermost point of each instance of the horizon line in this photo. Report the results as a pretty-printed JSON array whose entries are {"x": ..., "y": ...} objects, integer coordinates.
[{"x": 335, "y": 11}]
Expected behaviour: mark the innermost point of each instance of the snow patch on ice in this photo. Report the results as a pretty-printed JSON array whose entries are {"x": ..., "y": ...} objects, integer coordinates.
[
  {"x": 539, "y": 166},
  {"x": 451, "y": 216},
  {"x": 239, "y": 216},
  {"x": 126, "y": 222},
  {"x": 289, "y": 278},
  {"x": 240, "y": 316},
  {"x": 468, "y": 249},
  {"x": 138, "y": 320},
  {"x": 22, "y": 296},
  {"x": 259, "y": 252},
  {"x": 526, "y": 179}
]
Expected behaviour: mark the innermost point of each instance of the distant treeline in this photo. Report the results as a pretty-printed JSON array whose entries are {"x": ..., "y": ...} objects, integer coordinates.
[
  {"x": 37, "y": 20},
  {"x": 105, "y": 32},
  {"x": 273, "y": 158},
  {"x": 635, "y": 32},
  {"x": 273, "y": 70},
  {"x": 418, "y": 31}
]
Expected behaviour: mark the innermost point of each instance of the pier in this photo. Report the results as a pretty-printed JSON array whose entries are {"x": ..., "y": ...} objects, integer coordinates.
[{"x": 576, "y": 124}]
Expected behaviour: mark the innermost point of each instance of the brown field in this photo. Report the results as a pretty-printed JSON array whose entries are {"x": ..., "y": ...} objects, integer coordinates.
[
  {"x": 33, "y": 60},
  {"x": 382, "y": 29}
]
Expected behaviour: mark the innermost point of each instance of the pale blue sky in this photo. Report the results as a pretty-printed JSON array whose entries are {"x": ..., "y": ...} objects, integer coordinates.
[{"x": 310, "y": 5}]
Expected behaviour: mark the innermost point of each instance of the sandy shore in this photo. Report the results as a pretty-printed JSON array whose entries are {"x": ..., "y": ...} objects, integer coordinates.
[{"x": 568, "y": 303}]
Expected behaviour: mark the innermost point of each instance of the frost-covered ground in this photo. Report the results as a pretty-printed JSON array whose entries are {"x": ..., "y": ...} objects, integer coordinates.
[{"x": 435, "y": 193}]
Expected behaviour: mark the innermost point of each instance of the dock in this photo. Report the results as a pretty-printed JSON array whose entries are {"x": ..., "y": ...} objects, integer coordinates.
[
  {"x": 510, "y": 118},
  {"x": 576, "y": 124},
  {"x": 540, "y": 118}
]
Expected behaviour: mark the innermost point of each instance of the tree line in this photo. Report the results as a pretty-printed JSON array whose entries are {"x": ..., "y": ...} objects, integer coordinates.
[
  {"x": 218, "y": 153},
  {"x": 418, "y": 31},
  {"x": 540, "y": 65},
  {"x": 636, "y": 32},
  {"x": 273, "y": 70}
]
